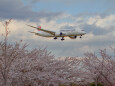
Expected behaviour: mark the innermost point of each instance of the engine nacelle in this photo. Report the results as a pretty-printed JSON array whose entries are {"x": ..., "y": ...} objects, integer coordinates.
[
  {"x": 61, "y": 33},
  {"x": 73, "y": 37}
]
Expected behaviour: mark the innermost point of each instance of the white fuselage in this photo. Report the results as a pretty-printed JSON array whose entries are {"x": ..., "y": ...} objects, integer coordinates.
[{"x": 64, "y": 32}]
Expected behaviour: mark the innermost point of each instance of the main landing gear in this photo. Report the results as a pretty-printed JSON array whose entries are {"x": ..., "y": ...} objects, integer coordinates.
[
  {"x": 81, "y": 36},
  {"x": 62, "y": 38},
  {"x": 75, "y": 36},
  {"x": 55, "y": 37}
]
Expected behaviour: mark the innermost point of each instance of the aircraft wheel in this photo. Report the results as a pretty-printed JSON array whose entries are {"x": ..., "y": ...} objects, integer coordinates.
[
  {"x": 62, "y": 39},
  {"x": 81, "y": 36},
  {"x": 75, "y": 36},
  {"x": 55, "y": 37}
]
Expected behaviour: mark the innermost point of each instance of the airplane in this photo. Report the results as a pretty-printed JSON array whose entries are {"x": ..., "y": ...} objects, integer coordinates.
[{"x": 71, "y": 33}]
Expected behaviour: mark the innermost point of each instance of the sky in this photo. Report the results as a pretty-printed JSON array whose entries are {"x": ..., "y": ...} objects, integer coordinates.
[{"x": 96, "y": 17}]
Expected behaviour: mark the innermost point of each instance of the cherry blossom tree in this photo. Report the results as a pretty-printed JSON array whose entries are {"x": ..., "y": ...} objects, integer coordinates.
[
  {"x": 41, "y": 69},
  {"x": 8, "y": 54},
  {"x": 100, "y": 69}
]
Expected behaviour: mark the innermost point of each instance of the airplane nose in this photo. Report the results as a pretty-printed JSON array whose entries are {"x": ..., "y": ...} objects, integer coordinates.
[{"x": 84, "y": 32}]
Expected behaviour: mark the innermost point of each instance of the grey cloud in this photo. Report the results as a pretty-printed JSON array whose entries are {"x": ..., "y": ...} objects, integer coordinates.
[
  {"x": 12, "y": 8},
  {"x": 87, "y": 14},
  {"x": 74, "y": 1},
  {"x": 95, "y": 30},
  {"x": 35, "y": 1},
  {"x": 17, "y": 10}
]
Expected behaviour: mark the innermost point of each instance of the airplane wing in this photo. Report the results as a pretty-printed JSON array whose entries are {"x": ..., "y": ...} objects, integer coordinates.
[{"x": 47, "y": 31}]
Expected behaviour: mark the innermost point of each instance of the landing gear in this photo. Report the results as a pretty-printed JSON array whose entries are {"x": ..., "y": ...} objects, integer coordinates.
[
  {"x": 55, "y": 37},
  {"x": 62, "y": 38},
  {"x": 81, "y": 36},
  {"x": 75, "y": 36}
]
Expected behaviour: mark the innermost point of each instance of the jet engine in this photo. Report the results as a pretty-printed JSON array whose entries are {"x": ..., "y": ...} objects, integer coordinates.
[{"x": 73, "y": 37}]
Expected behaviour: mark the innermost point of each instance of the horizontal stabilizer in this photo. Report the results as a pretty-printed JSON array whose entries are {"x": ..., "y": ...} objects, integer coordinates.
[{"x": 35, "y": 33}]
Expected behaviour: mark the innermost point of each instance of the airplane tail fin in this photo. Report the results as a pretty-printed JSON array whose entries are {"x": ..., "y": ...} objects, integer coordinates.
[{"x": 39, "y": 27}]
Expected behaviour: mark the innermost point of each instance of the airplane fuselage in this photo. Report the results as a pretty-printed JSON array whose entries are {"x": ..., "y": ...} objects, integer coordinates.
[{"x": 64, "y": 33}]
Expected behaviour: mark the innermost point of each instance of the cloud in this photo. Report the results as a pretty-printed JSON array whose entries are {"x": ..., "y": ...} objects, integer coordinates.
[
  {"x": 103, "y": 23},
  {"x": 77, "y": 2},
  {"x": 13, "y": 9},
  {"x": 107, "y": 22},
  {"x": 70, "y": 0},
  {"x": 17, "y": 10}
]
